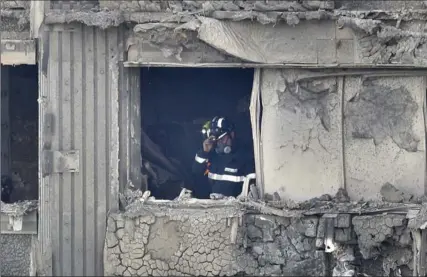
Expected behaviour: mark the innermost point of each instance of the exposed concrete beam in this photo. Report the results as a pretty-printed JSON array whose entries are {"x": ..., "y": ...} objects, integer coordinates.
[
  {"x": 265, "y": 65},
  {"x": 16, "y": 52}
]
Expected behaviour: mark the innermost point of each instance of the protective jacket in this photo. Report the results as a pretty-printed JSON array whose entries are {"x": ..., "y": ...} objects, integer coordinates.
[{"x": 225, "y": 172}]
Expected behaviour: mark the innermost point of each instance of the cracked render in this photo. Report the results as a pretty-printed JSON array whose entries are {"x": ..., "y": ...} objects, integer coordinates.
[
  {"x": 155, "y": 240},
  {"x": 188, "y": 244}
]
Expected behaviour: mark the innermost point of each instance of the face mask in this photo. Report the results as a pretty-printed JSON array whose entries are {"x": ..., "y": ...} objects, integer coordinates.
[{"x": 222, "y": 148}]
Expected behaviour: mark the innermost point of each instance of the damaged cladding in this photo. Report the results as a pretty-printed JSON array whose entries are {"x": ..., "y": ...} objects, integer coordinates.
[
  {"x": 387, "y": 112},
  {"x": 15, "y": 19},
  {"x": 195, "y": 237}
]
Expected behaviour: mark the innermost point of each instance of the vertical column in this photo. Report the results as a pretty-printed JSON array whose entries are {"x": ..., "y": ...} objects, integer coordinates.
[{"x": 130, "y": 128}]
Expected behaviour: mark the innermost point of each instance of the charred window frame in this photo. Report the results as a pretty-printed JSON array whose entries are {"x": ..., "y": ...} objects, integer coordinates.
[{"x": 130, "y": 157}]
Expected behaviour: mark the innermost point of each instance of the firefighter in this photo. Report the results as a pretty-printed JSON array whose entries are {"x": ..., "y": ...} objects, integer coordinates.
[{"x": 222, "y": 159}]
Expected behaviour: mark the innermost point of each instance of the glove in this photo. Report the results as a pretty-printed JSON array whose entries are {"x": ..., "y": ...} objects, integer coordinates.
[{"x": 208, "y": 144}]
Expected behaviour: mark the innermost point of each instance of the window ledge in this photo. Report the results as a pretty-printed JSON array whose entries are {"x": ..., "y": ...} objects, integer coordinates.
[{"x": 23, "y": 225}]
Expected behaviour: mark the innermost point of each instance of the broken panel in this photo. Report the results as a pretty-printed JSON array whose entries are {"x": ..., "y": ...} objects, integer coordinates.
[
  {"x": 60, "y": 162},
  {"x": 166, "y": 43},
  {"x": 301, "y": 134},
  {"x": 384, "y": 135}
]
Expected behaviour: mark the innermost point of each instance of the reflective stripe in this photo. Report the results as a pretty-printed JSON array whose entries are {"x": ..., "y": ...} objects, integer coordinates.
[
  {"x": 200, "y": 160},
  {"x": 232, "y": 170},
  {"x": 230, "y": 178},
  {"x": 220, "y": 122},
  {"x": 220, "y": 137}
]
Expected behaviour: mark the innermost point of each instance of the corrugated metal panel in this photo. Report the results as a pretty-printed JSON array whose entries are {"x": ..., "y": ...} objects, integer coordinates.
[{"x": 79, "y": 104}]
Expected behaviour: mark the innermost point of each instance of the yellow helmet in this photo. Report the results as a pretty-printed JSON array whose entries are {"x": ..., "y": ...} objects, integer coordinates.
[{"x": 206, "y": 129}]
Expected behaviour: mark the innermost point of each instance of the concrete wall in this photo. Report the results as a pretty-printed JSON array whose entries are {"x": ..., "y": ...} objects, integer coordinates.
[
  {"x": 384, "y": 136},
  {"x": 301, "y": 134},
  {"x": 188, "y": 242},
  {"x": 15, "y": 255},
  {"x": 322, "y": 134},
  {"x": 198, "y": 242}
]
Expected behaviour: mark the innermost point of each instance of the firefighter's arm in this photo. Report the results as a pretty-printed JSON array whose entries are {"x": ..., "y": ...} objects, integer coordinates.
[{"x": 200, "y": 162}]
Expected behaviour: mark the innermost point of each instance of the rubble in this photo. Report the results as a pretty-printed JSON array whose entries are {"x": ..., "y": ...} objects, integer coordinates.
[
  {"x": 377, "y": 42},
  {"x": 19, "y": 208},
  {"x": 207, "y": 7},
  {"x": 270, "y": 12},
  {"x": 419, "y": 221},
  {"x": 101, "y": 19},
  {"x": 391, "y": 194},
  {"x": 344, "y": 257}
]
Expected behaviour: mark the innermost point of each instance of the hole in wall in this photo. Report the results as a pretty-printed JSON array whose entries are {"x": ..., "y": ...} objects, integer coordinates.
[
  {"x": 175, "y": 103},
  {"x": 19, "y": 133}
]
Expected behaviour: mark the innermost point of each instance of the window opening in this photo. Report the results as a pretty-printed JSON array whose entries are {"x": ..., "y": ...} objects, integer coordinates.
[
  {"x": 19, "y": 134},
  {"x": 175, "y": 103}
]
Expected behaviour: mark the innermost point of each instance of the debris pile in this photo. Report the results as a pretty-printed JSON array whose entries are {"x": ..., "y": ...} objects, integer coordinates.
[
  {"x": 393, "y": 195},
  {"x": 18, "y": 209},
  {"x": 345, "y": 258}
]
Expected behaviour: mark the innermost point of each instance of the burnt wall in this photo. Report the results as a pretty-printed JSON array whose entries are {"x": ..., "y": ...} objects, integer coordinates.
[
  {"x": 73, "y": 5},
  {"x": 353, "y": 132},
  {"x": 191, "y": 243},
  {"x": 233, "y": 6},
  {"x": 200, "y": 243},
  {"x": 209, "y": 6}
]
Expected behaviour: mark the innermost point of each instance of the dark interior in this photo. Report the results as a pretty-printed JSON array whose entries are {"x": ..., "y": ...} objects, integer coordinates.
[
  {"x": 175, "y": 103},
  {"x": 19, "y": 92}
]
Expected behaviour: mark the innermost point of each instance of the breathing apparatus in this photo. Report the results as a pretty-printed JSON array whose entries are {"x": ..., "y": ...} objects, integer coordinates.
[{"x": 215, "y": 130}]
